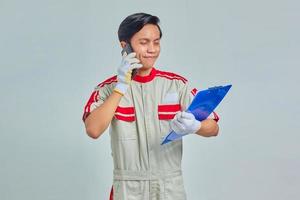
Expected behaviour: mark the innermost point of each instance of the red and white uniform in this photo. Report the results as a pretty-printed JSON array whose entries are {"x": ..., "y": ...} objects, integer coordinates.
[{"x": 143, "y": 168}]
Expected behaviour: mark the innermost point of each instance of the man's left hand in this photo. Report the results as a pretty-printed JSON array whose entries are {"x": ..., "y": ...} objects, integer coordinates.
[{"x": 185, "y": 123}]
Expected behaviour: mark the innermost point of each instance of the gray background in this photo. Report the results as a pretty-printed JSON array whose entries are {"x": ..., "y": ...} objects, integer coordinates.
[{"x": 54, "y": 52}]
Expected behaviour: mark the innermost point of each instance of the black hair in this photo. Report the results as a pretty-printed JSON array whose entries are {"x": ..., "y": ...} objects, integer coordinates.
[{"x": 134, "y": 23}]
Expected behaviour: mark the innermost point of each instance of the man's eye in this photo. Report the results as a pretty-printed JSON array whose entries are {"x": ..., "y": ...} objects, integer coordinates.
[{"x": 143, "y": 43}]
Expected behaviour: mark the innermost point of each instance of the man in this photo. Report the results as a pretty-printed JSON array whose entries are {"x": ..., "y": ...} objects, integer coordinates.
[{"x": 142, "y": 110}]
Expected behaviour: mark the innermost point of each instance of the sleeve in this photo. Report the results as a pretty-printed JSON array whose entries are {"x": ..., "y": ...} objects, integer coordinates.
[
  {"x": 187, "y": 95},
  {"x": 98, "y": 96}
]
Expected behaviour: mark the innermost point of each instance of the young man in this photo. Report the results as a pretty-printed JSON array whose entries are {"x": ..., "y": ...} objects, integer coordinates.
[{"x": 142, "y": 110}]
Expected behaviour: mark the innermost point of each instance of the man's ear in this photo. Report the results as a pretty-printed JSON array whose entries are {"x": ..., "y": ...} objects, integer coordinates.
[{"x": 123, "y": 44}]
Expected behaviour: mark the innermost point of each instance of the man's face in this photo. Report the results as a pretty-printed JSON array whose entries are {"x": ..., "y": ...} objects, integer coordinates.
[{"x": 146, "y": 44}]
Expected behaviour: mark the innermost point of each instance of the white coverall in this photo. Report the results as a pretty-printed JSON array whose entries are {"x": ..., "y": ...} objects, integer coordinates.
[{"x": 143, "y": 168}]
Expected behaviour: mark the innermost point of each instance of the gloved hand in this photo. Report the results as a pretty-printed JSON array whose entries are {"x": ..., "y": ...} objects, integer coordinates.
[
  {"x": 128, "y": 63},
  {"x": 185, "y": 123}
]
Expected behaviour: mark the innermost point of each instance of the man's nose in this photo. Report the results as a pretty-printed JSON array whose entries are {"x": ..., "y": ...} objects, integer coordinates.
[{"x": 151, "y": 48}]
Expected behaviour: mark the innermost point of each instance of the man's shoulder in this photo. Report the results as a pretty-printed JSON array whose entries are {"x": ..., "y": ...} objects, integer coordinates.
[
  {"x": 167, "y": 75},
  {"x": 107, "y": 82}
]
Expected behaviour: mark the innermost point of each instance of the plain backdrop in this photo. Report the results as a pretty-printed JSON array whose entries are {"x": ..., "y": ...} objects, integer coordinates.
[{"x": 54, "y": 52}]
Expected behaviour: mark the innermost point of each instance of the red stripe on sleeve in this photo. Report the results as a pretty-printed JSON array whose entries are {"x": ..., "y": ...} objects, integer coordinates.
[
  {"x": 170, "y": 76},
  {"x": 216, "y": 117},
  {"x": 111, "y": 196},
  {"x": 87, "y": 108},
  {"x": 194, "y": 91},
  {"x": 108, "y": 81}
]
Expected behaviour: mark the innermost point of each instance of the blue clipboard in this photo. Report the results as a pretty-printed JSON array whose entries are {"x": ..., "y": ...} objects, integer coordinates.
[{"x": 201, "y": 107}]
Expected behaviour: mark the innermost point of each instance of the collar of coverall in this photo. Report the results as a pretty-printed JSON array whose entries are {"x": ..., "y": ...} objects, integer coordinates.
[{"x": 147, "y": 78}]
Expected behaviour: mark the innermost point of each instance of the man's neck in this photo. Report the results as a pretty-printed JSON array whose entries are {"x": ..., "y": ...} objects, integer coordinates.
[{"x": 144, "y": 72}]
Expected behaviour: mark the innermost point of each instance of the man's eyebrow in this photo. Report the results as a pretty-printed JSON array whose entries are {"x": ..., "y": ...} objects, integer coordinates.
[{"x": 147, "y": 39}]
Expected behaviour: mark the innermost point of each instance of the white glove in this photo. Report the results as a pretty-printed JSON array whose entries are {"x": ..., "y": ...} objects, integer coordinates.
[
  {"x": 185, "y": 123},
  {"x": 128, "y": 63}
]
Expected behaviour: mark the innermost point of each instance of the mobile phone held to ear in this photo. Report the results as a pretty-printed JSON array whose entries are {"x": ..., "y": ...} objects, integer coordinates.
[{"x": 127, "y": 50}]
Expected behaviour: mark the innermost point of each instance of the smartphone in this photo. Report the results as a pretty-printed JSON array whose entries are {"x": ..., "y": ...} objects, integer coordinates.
[{"x": 127, "y": 50}]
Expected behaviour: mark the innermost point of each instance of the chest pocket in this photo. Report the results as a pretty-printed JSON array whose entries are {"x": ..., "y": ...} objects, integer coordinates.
[
  {"x": 126, "y": 114},
  {"x": 166, "y": 112},
  {"x": 125, "y": 123}
]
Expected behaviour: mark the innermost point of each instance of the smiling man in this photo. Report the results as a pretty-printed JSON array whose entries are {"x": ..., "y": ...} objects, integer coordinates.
[{"x": 141, "y": 110}]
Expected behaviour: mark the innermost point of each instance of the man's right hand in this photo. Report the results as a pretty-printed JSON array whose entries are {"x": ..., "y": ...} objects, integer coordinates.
[{"x": 129, "y": 62}]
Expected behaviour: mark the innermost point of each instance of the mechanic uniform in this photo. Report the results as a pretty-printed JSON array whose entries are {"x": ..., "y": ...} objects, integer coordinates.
[{"x": 143, "y": 168}]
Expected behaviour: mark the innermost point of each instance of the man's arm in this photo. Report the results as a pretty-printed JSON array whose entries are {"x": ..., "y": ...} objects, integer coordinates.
[
  {"x": 209, "y": 127},
  {"x": 99, "y": 119},
  {"x": 186, "y": 123}
]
